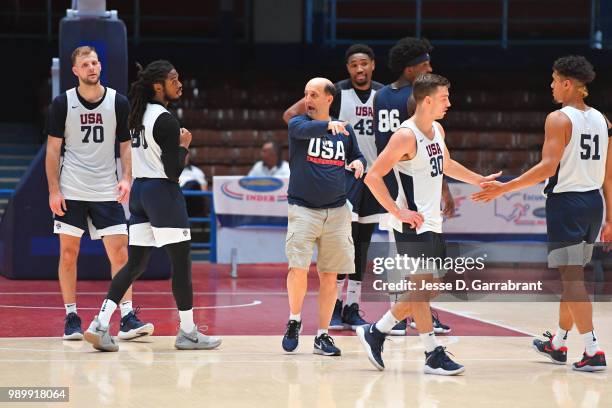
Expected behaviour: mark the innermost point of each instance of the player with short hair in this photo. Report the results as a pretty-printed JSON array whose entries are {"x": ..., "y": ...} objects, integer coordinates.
[
  {"x": 353, "y": 104},
  {"x": 86, "y": 194},
  {"x": 157, "y": 205},
  {"x": 393, "y": 104},
  {"x": 575, "y": 166},
  {"x": 418, "y": 157}
]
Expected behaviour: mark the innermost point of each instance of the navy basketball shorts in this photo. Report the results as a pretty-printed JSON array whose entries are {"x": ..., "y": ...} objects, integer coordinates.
[
  {"x": 365, "y": 209},
  {"x": 99, "y": 218},
  {"x": 573, "y": 221},
  {"x": 428, "y": 247},
  {"x": 158, "y": 213}
]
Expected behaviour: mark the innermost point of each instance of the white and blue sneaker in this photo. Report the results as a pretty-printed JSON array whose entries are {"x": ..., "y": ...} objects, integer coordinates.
[
  {"x": 399, "y": 329},
  {"x": 72, "y": 327},
  {"x": 131, "y": 327},
  {"x": 324, "y": 345},
  {"x": 438, "y": 326},
  {"x": 372, "y": 341},
  {"x": 351, "y": 316},
  {"x": 439, "y": 363}
]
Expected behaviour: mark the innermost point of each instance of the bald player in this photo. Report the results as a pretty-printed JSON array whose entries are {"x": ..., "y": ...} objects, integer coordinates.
[{"x": 319, "y": 150}]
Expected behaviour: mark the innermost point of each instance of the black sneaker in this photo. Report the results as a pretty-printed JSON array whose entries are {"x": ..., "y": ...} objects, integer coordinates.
[
  {"x": 351, "y": 317},
  {"x": 546, "y": 348},
  {"x": 292, "y": 335},
  {"x": 372, "y": 341},
  {"x": 131, "y": 327},
  {"x": 72, "y": 327},
  {"x": 438, "y": 326},
  {"x": 596, "y": 362},
  {"x": 324, "y": 345},
  {"x": 336, "y": 320},
  {"x": 399, "y": 329},
  {"x": 439, "y": 363}
]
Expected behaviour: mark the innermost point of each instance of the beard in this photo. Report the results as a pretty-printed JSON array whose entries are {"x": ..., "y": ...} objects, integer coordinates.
[
  {"x": 361, "y": 82},
  {"x": 88, "y": 81}
]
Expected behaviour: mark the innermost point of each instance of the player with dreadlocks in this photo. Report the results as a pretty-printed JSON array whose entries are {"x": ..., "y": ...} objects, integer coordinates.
[{"x": 157, "y": 206}]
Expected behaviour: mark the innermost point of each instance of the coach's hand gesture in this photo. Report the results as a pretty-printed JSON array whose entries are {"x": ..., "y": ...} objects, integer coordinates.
[
  {"x": 412, "y": 218},
  {"x": 185, "y": 138},
  {"x": 337, "y": 127},
  {"x": 57, "y": 203},
  {"x": 357, "y": 165}
]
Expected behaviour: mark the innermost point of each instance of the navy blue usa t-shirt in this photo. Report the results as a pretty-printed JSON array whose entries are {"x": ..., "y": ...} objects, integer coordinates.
[{"x": 317, "y": 159}]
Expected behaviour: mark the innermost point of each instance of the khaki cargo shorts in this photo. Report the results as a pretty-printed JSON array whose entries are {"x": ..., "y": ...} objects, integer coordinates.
[{"x": 329, "y": 229}]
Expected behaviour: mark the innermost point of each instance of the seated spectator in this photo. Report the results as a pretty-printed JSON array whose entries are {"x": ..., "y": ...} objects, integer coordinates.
[
  {"x": 192, "y": 178},
  {"x": 271, "y": 163}
]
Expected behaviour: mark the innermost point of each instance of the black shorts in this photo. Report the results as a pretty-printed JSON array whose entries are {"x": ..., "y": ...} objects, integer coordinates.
[
  {"x": 428, "y": 246},
  {"x": 158, "y": 213},
  {"x": 573, "y": 221},
  {"x": 366, "y": 209},
  {"x": 99, "y": 218}
]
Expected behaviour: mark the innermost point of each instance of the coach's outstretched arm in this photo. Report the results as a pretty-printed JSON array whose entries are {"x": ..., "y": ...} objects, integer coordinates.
[
  {"x": 401, "y": 145},
  {"x": 301, "y": 127},
  {"x": 557, "y": 129}
]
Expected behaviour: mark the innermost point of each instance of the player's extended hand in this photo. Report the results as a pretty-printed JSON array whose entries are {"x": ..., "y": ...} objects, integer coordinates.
[
  {"x": 185, "y": 138},
  {"x": 412, "y": 218},
  {"x": 123, "y": 187},
  {"x": 490, "y": 177},
  {"x": 357, "y": 165},
  {"x": 606, "y": 236},
  {"x": 490, "y": 191},
  {"x": 57, "y": 203},
  {"x": 337, "y": 127}
]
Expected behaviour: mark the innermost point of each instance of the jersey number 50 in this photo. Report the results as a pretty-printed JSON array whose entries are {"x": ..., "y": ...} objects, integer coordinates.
[
  {"x": 136, "y": 138},
  {"x": 388, "y": 120}
]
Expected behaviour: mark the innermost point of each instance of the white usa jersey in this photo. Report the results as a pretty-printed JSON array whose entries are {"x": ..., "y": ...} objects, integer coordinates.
[
  {"x": 583, "y": 164},
  {"x": 420, "y": 179},
  {"x": 146, "y": 153},
  {"x": 360, "y": 116},
  {"x": 89, "y": 168}
]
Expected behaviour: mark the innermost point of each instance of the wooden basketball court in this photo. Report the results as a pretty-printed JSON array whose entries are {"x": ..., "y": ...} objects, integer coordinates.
[{"x": 492, "y": 340}]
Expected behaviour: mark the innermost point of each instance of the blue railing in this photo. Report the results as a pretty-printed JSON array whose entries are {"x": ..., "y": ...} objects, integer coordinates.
[
  {"x": 331, "y": 22},
  {"x": 212, "y": 220}
]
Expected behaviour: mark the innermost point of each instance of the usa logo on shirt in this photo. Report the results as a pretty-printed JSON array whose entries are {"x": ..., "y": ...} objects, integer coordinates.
[{"x": 325, "y": 151}]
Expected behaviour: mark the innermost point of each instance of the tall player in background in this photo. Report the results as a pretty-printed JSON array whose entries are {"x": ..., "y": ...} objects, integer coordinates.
[
  {"x": 157, "y": 206},
  {"x": 575, "y": 166},
  {"x": 408, "y": 58},
  {"x": 88, "y": 120},
  {"x": 353, "y": 103}
]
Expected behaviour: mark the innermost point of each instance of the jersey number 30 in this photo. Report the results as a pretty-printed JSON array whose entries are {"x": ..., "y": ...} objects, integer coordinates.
[
  {"x": 585, "y": 154},
  {"x": 98, "y": 133},
  {"x": 136, "y": 138}
]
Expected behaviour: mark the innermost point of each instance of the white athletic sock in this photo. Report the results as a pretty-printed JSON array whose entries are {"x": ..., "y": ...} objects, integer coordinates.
[
  {"x": 560, "y": 338},
  {"x": 429, "y": 341},
  {"x": 296, "y": 317},
  {"x": 70, "y": 308},
  {"x": 591, "y": 345},
  {"x": 386, "y": 323},
  {"x": 353, "y": 292},
  {"x": 126, "y": 308},
  {"x": 186, "y": 317},
  {"x": 321, "y": 331},
  {"x": 340, "y": 286},
  {"x": 106, "y": 312}
]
